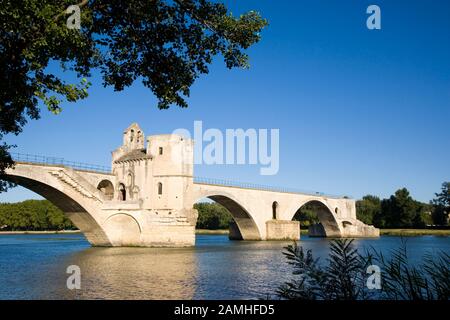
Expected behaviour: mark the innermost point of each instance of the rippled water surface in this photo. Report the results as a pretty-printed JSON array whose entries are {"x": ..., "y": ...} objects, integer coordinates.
[{"x": 34, "y": 267}]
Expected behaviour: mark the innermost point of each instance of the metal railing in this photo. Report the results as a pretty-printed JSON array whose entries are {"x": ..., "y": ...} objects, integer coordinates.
[
  {"x": 45, "y": 160},
  {"x": 39, "y": 159},
  {"x": 246, "y": 185}
]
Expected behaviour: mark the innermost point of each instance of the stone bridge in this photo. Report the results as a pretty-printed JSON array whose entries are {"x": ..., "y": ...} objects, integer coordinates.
[{"x": 147, "y": 197}]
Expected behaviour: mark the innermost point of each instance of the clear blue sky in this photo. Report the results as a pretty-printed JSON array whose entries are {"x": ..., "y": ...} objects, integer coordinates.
[{"x": 359, "y": 112}]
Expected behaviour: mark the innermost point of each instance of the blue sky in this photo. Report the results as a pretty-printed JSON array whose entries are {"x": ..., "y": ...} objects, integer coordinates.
[{"x": 359, "y": 111}]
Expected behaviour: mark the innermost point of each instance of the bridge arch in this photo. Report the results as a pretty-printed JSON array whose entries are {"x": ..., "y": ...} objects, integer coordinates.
[
  {"x": 244, "y": 227},
  {"x": 328, "y": 226},
  {"x": 73, "y": 204}
]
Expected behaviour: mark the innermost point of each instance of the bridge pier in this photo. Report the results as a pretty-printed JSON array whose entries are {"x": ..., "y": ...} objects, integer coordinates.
[
  {"x": 233, "y": 231},
  {"x": 282, "y": 230},
  {"x": 90, "y": 229},
  {"x": 357, "y": 229},
  {"x": 169, "y": 236}
]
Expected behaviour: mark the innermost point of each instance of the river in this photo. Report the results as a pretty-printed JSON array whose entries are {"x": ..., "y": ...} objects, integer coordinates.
[{"x": 34, "y": 267}]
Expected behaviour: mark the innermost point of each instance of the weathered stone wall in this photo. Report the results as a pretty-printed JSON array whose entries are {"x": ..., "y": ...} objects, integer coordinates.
[{"x": 282, "y": 230}]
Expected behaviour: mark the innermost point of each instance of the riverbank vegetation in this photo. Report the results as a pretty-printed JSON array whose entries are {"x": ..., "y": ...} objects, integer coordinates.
[
  {"x": 398, "y": 215},
  {"x": 349, "y": 275},
  {"x": 415, "y": 232},
  {"x": 33, "y": 215},
  {"x": 401, "y": 211},
  {"x": 212, "y": 216}
]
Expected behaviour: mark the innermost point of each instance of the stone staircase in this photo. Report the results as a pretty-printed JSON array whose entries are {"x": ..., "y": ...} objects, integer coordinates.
[{"x": 77, "y": 183}]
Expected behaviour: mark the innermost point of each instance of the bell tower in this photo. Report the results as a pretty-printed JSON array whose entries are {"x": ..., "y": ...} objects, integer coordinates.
[
  {"x": 129, "y": 165},
  {"x": 133, "y": 137}
]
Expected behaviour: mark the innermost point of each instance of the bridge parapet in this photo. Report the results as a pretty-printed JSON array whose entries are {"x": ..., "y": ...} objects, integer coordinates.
[
  {"x": 254, "y": 186},
  {"x": 55, "y": 161}
]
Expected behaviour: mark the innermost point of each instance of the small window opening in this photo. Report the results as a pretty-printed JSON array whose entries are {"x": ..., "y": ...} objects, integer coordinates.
[{"x": 274, "y": 210}]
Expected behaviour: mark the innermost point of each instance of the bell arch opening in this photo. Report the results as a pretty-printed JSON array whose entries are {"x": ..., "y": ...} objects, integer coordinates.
[
  {"x": 228, "y": 214},
  {"x": 73, "y": 210},
  {"x": 107, "y": 188},
  {"x": 318, "y": 219}
]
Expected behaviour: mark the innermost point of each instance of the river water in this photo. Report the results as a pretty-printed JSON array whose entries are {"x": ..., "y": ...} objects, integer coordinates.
[{"x": 34, "y": 267}]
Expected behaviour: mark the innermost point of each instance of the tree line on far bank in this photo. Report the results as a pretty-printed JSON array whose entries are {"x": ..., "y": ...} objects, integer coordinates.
[
  {"x": 33, "y": 215},
  {"x": 212, "y": 216},
  {"x": 398, "y": 211}
]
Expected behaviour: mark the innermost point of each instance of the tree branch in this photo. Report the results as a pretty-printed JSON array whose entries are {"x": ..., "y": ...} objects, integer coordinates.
[{"x": 200, "y": 20}]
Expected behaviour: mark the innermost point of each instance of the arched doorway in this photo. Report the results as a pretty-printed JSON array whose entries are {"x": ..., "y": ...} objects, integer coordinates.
[
  {"x": 107, "y": 188},
  {"x": 122, "y": 192},
  {"x": 318, "y": 219}
]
